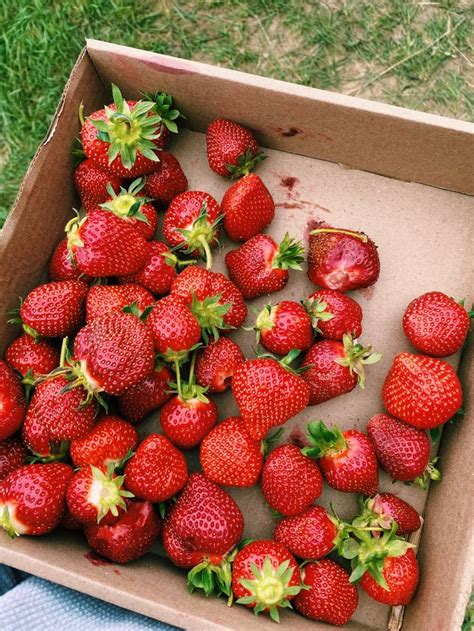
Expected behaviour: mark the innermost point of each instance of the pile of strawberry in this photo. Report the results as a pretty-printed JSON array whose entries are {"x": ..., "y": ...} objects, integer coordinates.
[{"x": 128, "y": 325}]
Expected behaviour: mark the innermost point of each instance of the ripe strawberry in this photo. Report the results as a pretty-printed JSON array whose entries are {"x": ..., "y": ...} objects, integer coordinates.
[
  {"x": 284, "y": 327},
  {"x": 290, "y": 480},
  {"x": 38, "y": 440},
  {"x": 248, "y": 208},
  {"x": 106, "y": 299},
  {"x": 32, "y": 498},
  {"x": 342, "y": 259},
  {"x": 12, "y": 402},
  {"x": 402, "y": 450},
  {"x": 347, "y": 459},
  {"x": 68, "y": 522},
  {"x": 330, "y": 598},
  {"x": 336, "y": 368},
  {"x": 102, "y": 244},
  {"x": 130, "y": 537},
  {"x": 192, "y": 224},
  {"x": 232, "y": 150},
  {"x": 158, "y": 271},
  {"x": 310, "y": 535},
  {"x": 333, "y": 314},
  {"x": 167, "y": 181},
  {"x": 268, "y": 393},
  {"x": 383, "y": 510},
  {"x": 260, "y": 266},
  {"x": 157, "y": 471},
  {"x": 265, "y": 577},
  {"x": 436, "y": 324},
  {"x": 13, "y": 455},
  {"x": 216, "y": 364},
  {"x": 32, "y": 356},
  {"x": 107, "y": 444},
  {"x": 400, "y": 575},
  {"x": 422, "y": 391},
  {"x": 229, "y": 456},
  {"x": 54, "y": 309},
  {"x": 91, "y": 184},
  {"x": 62, "y": 266},
  {"x": 147, "y": 395}
]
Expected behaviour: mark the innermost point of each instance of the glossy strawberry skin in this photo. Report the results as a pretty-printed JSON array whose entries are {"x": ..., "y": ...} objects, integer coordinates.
[
  {"x": 62, "y": 267},
  {"x": 174, "y": 327},
  {"x": 435, "y": 324},
  {"x": 37, "y": 438},
  {"x": 346, "y": 312},
  {"x": 186, "y": 423},
  {"x": 216, "y": 363},
  {"x": 28, "y": 354},
  {"x": 167, "y": 181},
  {"x": 290, "y": 480},
  {"x": 229, "y": 456},
  {"x": 288, "y": 327},
  {"x": 91, "y": 184},
  {"x": 157, "y": 471},
  {"x": 109, "y": 441},
  {"x": 248, "y": 208},
  {"x": 156, "y": 275},
  {"x": 401, "y": 574},
  {"x": 331, "y": 598},
  {"x": 145, "y": 228},
  {"x": 12, "y": 402},
  {"x": 183, "y": 556},
  {"x": 83, "y": 496},
  {"x": 226, "y": 143},
  {"x": 105, "y": 299},
  {"x": 13, "y": 455},
  {"x": 308, "y": 535},
  {"x": 145, "y": 396},
  {"x": 396, "y": 509},
  {"x": 422, "y": 391},
  {"x": 326, "y": 378}
]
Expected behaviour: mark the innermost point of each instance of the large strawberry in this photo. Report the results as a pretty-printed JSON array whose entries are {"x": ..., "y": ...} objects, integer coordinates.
[
  {"x": 383, "y": 510},
  {"x": 216, "y": 364},
  {"x": 31, "y": 356},
  {"x": 104, "y": 299},
  {"x": 268, "y": 392},
  {"x": 63, "y": 267},
  {"x": 284, "y": 327},
  {"x": 232, "y": 150},
  {"x": 158, "y": 271},
  {"x": 334, "y": 313},
  {"x": 309, "y": 535},
  {"x": 260, "y": 266},
  {"x": 422, "y": 391},
  {"x": 91, "y": 184},
  {"x": 436, "y": 324},
  {"x": 32, "y": 498},
  {"x": 147, "y": 395},
  {"x": 342, "y": 259},
  {"x": 13, "y": 455},
  {"x": 12, "y": 402},
  {"x": 167, "y": 180},
  {"x": 248, "y": 208},
  {"x": 335, "y": 368}
]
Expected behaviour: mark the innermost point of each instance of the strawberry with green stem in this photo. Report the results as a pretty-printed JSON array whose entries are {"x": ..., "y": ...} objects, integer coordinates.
[
  {"x": 232, "y": 150},
  {"x": 92, "y": 184},
  {"x": 63, "y": 267},
  {"x": 284, "y": 327},
  {"x": 125, "y": 298},
  {"x": 383, "y": 510},
  {"x": 333, "y": 314}
]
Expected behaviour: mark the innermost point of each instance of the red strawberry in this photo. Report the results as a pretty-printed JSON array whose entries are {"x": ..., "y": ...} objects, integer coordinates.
[
  {"x": 147, "y": 395},
  {"x": 383, "y": 510},
  {"x": 402, "y": 450},
  {"x": 91, "y": 184},
  {"x": 331, "y": 598},
  {"x": 12, "y": 402},
  {"x": 107, "y": 444},
  {"x": 216, "y": 364},
  {"x": 260, "y": 266},
  {"x": 38, "y": 440},
  {"x": 12, "y": 456},
  {"x": 232, "y": 150},
  {"x": 157, "y": 471},
  {"x": 347, "y": 459},
  {"x": 436, "y": 324},
  {"x": 400, "y": 575},
  {"x": 310, "y": 535},
  {"x": 102, "y": 244},
  {"x": 248, "y": 208},
  {"x": 290, "y": 480},
  {"x": 167, "y": 181},
  {"x": 229, "y": 456},
  {"x": 68, "y": 522},
  {"x": 158, "y": 271},
  {"x": 268, "y": 393},
  {"x": 105, "y": 299},
  {"x": 333, "y": 314},
  {"x": 54, "y": 309},
  {"x": 284, "y": 327},
  {"x": 192, "y": 224},
  {"x": 422, "y": 391},
  {"x": 265, "y": 577},
  {"x": 62, "y": 266},
  {"x": 342, "y": 259},
  {"x": 31, "y": 356},
  {"x": 130, "y": 537},
  {"x": 336, "y": 368},
  {"x": 32, "y": 498}
]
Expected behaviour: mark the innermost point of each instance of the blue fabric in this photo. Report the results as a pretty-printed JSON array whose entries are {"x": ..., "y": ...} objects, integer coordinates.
[{"x": 28, "y": 602}]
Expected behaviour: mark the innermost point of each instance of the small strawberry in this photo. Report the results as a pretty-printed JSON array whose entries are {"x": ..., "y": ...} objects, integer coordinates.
[
  {"x": 268, "y": 392},
  {"x": 157, "y": 471},
  {"x": 402, "y": 450},
  {"x": 192, "y": 224},
  {"x": 347, "y": 459},
  {"x": 31, "y": 356},
  {"x": 62, "y": 267},
  {"x": 13, "y": 455},
  {"x": 158, "y": 271},
  {"x": 167, "y": 181},
  {"x": 335, "y": 368},
  {"x": 232, "y": 150},
  {"x": 422, "y": 391},
  {"x": 39, "y": 441},
  {"x": 128, "y": 538},
  {"x": 105, "y": 299},
  {"x": 333, "y": 314},
  {"x": 216, "y": 364},
  {"x": 342, "y": 259},
  {"x": 12, "y": 402},
  {"x": 331, "y": 598},
  {"x": 260, "y": 266},
  {"x": 248, "y": 208},
  {"x": 435, "y": 324},
  {"x": 385, "y": 508},
  {"x": 290, "y": 480},
  {"x": 91, "y": 184},
  {"x": 310, "y": 535},
  {"x": 284, "y": 327},
  {"x": 229, "y": 456},
  {"x": 147, "y": 395},
  {"x": 400, "y": 576},
  {"x": 32, "y": 498},
  {"x": 265, "y": 577}
]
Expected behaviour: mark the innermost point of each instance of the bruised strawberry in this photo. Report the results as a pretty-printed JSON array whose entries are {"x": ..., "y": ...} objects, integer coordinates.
[
  {"x": 333, "y": 314},
  {"x": 248, "y": 208},
  {"x": 167, "y": 181},
  {"x": 32, "y": 356},
  {"x": 216, "y": 364},
  {"x": 91, "y": 185},
  {"x": 13, "y": 455},
  {"x": 147, "y": 395},
  {"x": 232, "y": 150},
  {"x": 309, "y": 535},
  {"x": 12, "y": 402},
  {"x": 63, "y": 267},
  {"x": 383, "y": 510},
  {"x": 106, "y": 299},
  {"x": 158, "y": 271},
  {"x": 284, "y": 327}
]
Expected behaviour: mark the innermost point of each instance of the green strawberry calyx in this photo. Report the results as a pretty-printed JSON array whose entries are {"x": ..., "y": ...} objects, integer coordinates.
[
  {"x": 188, "y": 390},
  {"x": 289, "y": 255},
  {"x": 316, "y": 309},
  {"x": 163, "y": 107},
  {"x": 210, "y": 314},
  {"x": 371, "y": 515},
  {"x": 324, "y": 441},
  {"x": 356, "y": 357},
  {"x": 127, "y": 203},
  {"x": 286, "y": 361},
  {"x": 213, "y": 575},
  {"x": 265, "y": 321},
  {"x": 200, "y": 236},
  {"x": 107, "y": 492},
  {"x": 7, "y": 522},
  {"x": 58, "y": 452},
  {"x": 430, "y": 473},
  {"x": 16, "y": 319},
  {"x": 245, "y": 163}
]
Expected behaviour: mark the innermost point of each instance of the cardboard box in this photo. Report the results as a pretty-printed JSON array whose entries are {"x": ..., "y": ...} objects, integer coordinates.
[{"x": 401, "y": 176}]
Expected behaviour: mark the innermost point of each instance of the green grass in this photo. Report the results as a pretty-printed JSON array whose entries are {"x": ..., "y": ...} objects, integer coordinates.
[{"x": 415, "y": 54}]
